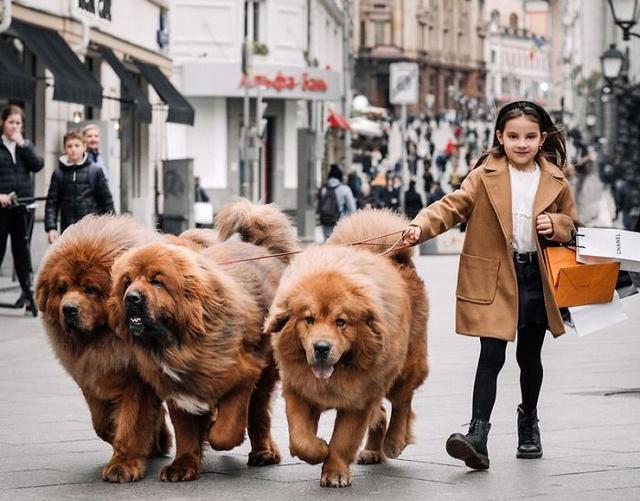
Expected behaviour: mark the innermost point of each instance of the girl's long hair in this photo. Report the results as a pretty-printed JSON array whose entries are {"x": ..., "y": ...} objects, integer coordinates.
[{"x": 553, "y": 149}]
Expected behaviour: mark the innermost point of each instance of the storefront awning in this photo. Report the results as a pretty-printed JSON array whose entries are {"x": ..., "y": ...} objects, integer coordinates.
[
  {"x": 73, "y": 81},
  {"x": 15, "y": 82},
  {"x": 142, "y": 105},
  {"x": 180, "y": 111},
  {"x": 338, "y": 121}
]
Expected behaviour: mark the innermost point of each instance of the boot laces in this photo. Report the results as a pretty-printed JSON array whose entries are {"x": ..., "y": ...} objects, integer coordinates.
[{"x": 526, "y": 429}]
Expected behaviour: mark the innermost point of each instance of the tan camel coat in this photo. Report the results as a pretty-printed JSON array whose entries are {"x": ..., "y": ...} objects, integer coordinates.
[{"x": 487, "y": 292}]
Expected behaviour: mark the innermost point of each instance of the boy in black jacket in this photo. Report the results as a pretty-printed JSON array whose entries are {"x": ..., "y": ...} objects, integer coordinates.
[{"x": 78, "y": 187}]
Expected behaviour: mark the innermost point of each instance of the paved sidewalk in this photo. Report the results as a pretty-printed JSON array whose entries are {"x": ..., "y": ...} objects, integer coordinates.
[{"x": 590, "y": 426}]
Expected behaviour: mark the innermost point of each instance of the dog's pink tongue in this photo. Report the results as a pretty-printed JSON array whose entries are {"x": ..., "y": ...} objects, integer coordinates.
[{"x": 322, "y": 371}]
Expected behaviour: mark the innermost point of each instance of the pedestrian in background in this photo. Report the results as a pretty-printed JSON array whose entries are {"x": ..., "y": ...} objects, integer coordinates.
[
  {"x": 366, "y": 199},
  {"x": 391, "y": 194},
  {"x": 91, "y": 137},
  {"x": 412, "y": 201},
  {"x": 200, "y": 193},
  {"x": 18, "y": 161},
  {"x": 435, "y": 194},
  {"x": 335, "y": 201},
  {"x": 501, "y": 275},
  {"x": 78, "y": 187}
]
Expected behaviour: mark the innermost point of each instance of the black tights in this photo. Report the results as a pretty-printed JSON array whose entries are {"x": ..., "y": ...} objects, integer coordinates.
[
  {"x": 492, "y": 355},
  {"x": 15, "y": 223}
]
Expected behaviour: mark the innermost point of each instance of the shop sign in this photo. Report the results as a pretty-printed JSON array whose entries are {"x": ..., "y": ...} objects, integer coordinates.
[
  {"x": 275, "y": 82},
  {"x": 281, "y": 82},
  {"x": 99, "y": 8}
]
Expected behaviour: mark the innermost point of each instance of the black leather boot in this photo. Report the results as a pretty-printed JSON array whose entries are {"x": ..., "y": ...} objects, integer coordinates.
[
  {"x": 529, "y": 445},
  {"x": 30, "y": 303},
  {"x": 472, "y": 447}
]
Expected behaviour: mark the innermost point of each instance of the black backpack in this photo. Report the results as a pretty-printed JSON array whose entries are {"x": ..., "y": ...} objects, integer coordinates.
[{"x": 329, "y": 208}]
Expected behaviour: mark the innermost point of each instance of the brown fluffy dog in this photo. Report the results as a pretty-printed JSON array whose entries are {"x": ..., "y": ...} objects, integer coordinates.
[
  {"x": 351, "y": 330},
  {"x": 72, "y": 289},
  {"x": 197, "y": 332}
]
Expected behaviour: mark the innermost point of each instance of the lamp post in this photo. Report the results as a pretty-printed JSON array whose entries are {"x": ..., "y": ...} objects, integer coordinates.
[
  {"x": 611, "y": 62},
  {"x": 625, "y": 14}
]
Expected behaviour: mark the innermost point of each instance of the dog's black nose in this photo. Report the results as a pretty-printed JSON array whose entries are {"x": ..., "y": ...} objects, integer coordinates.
[
  {"x": 70, "y": 310},
  {"x": 321, "y": 350},
  {"x": 133, "y": 297}
]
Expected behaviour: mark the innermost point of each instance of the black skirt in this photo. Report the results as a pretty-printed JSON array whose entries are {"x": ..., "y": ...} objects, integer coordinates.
[{"x": 531, "y": 309}]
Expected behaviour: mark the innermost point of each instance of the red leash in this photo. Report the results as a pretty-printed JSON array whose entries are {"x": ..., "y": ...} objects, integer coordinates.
[{"x": 366, "y": 241}]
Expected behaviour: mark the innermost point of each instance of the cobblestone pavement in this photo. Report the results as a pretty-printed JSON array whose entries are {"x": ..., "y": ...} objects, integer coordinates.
[{"x": 589, "y": 411}]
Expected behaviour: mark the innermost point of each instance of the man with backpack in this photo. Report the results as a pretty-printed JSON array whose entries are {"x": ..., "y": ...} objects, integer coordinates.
[
  {"x": 78, "y": 187},
  {"x": 335, "y": 200}
]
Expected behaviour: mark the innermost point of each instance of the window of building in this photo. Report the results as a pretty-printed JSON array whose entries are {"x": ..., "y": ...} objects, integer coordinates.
[
  {"x": 493, "y": 55},
  {"x": 506, "y": 87},
  {"x": 379, "y": 32},
  {"x": 495, "y": 17},
  {"x": 513, "y": 21},
  {"x": 363, "y": 34}
]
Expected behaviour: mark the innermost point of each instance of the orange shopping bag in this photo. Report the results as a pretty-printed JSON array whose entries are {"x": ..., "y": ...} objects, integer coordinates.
[{"x": 576, "y": 284}]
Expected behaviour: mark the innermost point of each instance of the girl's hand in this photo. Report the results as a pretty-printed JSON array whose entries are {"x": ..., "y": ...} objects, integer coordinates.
[
  {"x": 17, "y": 137},
  {"x": 411, "y": 235},
  {"x": 544, "y": 225}
]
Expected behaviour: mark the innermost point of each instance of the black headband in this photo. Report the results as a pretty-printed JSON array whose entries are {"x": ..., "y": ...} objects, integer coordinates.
[{"x": 523, "y": 105}]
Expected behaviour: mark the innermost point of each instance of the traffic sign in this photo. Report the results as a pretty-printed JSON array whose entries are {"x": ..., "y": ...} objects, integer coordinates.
[{"x": 403, "y": 83}]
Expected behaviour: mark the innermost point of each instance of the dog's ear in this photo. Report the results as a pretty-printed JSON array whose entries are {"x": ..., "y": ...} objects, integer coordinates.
[
  {"x": 371, "y": 342},
  {"x": 115, "y": 302},
  {"x": 372, "y": 322},
  {"x": 277, "y": 319}
]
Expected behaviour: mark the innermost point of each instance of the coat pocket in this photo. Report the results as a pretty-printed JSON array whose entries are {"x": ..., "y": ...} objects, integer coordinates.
[{"x": 477, "y": 279}]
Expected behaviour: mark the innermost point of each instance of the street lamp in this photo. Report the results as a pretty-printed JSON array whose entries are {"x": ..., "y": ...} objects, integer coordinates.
[
  {"x": 611, "y": 61},
  {"x": 625, "y": 15}
]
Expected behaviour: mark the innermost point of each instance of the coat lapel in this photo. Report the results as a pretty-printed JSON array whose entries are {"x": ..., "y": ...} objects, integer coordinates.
[
  {"x": 498, "y": 186},
  {"x": 549, "y": 186}
]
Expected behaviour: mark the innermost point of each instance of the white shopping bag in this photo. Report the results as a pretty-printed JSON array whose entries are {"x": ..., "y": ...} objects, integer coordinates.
[
  {"x": 203, "y": 213},
  {"x": 593, "y": 244},
  {"x": 595, "y": 317}
]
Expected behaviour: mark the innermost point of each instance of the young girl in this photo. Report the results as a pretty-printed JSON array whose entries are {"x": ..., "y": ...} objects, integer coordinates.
[{"x": 516, "y": 200}]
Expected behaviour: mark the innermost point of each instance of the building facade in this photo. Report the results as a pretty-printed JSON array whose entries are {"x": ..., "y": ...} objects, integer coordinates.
[
  {"x": 517, "y": 51},
  {"x": 444, "y": 37},
  {"x": 99, "y": 62},
  {"x": 297, "y": 71}
]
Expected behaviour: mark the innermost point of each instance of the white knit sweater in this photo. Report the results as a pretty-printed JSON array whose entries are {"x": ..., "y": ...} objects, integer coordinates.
[{"x": 523, "y": 192}]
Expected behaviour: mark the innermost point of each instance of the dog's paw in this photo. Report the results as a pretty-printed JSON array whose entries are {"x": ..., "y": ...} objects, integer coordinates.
[
  {"x": 123, "y": 470},
  {"x": 312, "y": 452},
  {"x": 335, "y": 478},
  {"x": 181, "y": 470},
  {"x": 371, "y": 457},
  {"x": 393, "y": 450},
  {"x": 264, "y": 458}
]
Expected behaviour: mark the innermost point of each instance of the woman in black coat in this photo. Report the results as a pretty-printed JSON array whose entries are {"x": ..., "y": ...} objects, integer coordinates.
[{"x": 17, "y": 163}]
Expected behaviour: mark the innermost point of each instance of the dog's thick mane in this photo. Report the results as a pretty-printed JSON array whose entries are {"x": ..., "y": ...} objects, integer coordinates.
[
  {"x": 359, "y": 267},
  {"x": 368, "y": 223},
  {"x": 96, "y": 239}
]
